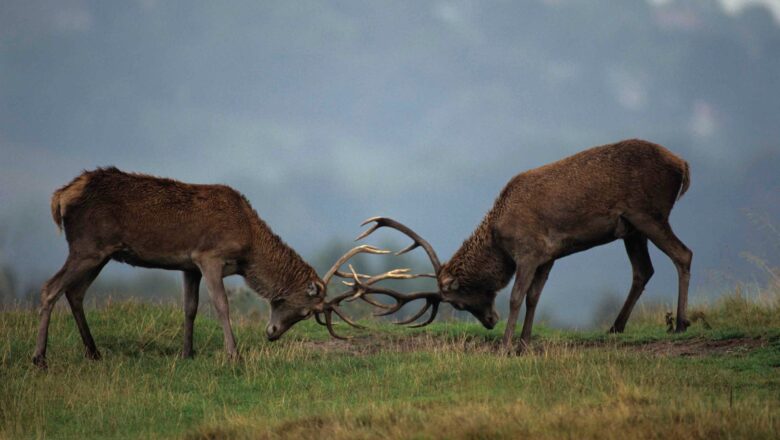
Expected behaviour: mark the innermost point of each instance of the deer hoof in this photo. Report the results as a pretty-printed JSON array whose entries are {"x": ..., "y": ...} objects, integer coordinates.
[
  {"x": 615, "y": 329},
  {"x": 682, "y": 325},
  {"x": 510, "y": 350},
  {"x": 40, "y": 362},
  {"x": 93, "y": 355}
]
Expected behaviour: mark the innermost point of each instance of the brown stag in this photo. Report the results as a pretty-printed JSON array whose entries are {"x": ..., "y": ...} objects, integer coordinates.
[
  {"x": 622, "y": 191},
  {"x": 205, "y": 231}
]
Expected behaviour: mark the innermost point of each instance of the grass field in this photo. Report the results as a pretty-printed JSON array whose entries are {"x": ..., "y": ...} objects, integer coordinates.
[{"x": 445, "y": 381}]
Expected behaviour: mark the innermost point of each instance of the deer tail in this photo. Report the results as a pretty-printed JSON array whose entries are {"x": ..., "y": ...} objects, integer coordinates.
[
  {"x": 66, "y": 196},
  {"x": 56, "y": 214},
  {"x": 686, "y": 180}
]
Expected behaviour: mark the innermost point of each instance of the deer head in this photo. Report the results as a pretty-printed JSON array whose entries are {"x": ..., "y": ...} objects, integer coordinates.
[{"x": 286, "y": 310}]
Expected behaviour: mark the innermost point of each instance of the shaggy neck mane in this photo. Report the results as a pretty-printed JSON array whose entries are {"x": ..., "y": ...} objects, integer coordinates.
[
  {"x": 274, "y": 269},
  {"x": 480, "y": 263}
]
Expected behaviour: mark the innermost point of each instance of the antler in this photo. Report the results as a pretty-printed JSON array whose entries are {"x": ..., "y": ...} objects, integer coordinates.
[
  {"x": 359, "y": 289},
  {"x": 418, "y": 241},
  {"x": 328, "y": 312},
  {"x": 356, "y": 291},
  {"x": 330, "y": 307},
  {"x": 349, "y": 254},
  {"x": 432, "y": 299}
]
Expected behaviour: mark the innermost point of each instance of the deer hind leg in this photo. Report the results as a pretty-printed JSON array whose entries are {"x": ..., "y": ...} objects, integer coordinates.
[
  {"x": 75, "y": 296},
  {"x": 49, "y": 295},
  {"x": 212, "y": 273},
  {"x": 532, "y": 299},
  {"x": 642, "y": 267},
  {"x": 69, "y": 277},
  {"x": 660, "y": 233},
  {"x": 191, "y": 292}
]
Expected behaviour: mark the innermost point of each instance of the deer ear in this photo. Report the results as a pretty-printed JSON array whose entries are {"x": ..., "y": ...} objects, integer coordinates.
[
  {"x": 449, "y": 283},
  {"x": 313, "y": 289}
]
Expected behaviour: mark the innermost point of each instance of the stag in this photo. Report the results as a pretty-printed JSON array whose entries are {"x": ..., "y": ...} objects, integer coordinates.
[
  {"x": 622, "y": 191},
  {"x": 205, "y": 231}
]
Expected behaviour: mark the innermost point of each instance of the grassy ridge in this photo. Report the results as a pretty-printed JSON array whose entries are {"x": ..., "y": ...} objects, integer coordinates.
[{"x": 442, "y": 382}]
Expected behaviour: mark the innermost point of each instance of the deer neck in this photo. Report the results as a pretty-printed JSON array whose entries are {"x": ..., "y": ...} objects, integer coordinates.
[
  {"x": 480, "y": 263},
  {"x": 274, "y": 269}
]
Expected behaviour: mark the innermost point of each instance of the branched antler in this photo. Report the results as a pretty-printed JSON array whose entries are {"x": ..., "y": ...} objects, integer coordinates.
[
  {"x": 330, "y": 307},
  {"x": 362, "y": 286},
  {"x": 325, "y": 316},
  {"x": 357, "y": 291},
  {"x": 417, "y": 240},
  {"x": 349, "y": 254},
  {"x": 432, "y": 299}
]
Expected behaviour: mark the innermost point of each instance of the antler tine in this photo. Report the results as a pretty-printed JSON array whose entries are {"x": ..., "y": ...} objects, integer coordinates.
[
  {"x": 328, "y": 312},
  {"x": 416, "y": 315},
  {"x": 418, "y": 241},
  {"x": 342, "y": 274},
  {"x": 349, "y": 254},
  {"x": 409, "y": 248},
  {"x": 372, "y": 302},
  {"x": 368, "y": 232},
  {"x": 395, "y": 274},
  {"x": 329, "y": 325},
  {"x": 345, "y": 319},
  {"x": 434, "y": 311}
]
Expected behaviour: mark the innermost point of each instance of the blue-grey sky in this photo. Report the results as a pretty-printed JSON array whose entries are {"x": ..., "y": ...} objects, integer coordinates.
[{"x": 325, "y": 113}]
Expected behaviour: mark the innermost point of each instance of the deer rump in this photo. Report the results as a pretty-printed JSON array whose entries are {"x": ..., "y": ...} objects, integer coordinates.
[
  {"x": 148, "y": 221},
  {"x": 585, "y": 200}
]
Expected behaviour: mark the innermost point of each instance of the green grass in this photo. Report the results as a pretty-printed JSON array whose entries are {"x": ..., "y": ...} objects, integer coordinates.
[{"x": 445, "y": 381}]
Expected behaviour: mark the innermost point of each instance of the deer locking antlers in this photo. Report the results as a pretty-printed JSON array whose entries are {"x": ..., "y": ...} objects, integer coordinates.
[
  {"x": 362, "y": 285},
  {"x": 432, "y": 299}
]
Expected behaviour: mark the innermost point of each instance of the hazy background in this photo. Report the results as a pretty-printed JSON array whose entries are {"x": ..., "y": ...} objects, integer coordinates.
[{"x": 325, "y": 113}]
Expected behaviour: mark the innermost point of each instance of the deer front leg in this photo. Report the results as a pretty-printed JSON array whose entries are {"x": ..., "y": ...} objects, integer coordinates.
[
  {"x": 523, "y": 280},
  {"x": 212, "y": 273},
  {"x": 191, "y": 287},
  {"x": 534, "y": 292}
]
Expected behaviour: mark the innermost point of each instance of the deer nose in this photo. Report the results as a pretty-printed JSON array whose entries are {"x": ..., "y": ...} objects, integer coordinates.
[
  {"x": 491, "y": 321},
  {"x": 270, "y": 332}
]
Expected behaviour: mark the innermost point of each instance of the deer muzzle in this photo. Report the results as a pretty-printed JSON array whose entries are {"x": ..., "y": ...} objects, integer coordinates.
[{"x": 273, "y": 332}]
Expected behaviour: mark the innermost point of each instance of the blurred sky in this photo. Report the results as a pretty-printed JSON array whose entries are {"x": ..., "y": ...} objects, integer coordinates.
[{"x": 325, "y": 113}]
